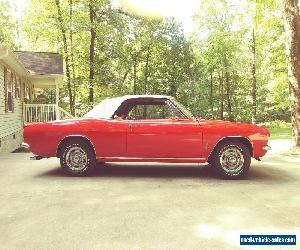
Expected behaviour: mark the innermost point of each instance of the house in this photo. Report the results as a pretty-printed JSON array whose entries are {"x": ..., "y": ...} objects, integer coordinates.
[{"x": 23, "y": 77}]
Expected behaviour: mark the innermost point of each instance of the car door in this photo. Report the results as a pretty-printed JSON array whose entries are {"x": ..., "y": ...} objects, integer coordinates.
[
  {"x": 109, "y": 137},
  {"x": 164, "y": 138}
]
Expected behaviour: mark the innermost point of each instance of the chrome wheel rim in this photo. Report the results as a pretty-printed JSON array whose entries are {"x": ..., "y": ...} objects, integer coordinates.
[
  {"x": 76, "y": 159},
  {"x": 232, "y": 159}
]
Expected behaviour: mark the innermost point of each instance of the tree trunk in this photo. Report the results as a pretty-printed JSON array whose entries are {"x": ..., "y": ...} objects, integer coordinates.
[
  {"x": 146, "y": 72},
  {"x": 72, "y": 54},
  {"x": 146, "y": 75},
  {"x": 227, "y": 80},
  {"x": 134, "y": 75},
  {"x": 125, "y": 76},
  {"x": 92, "y": 51},
  {"x": 221, "y": 92},
  {"x": 254, "y": 102},
  {"x": 66, "y": 54},
  {"x": 211, "y": 95},
  {"x": 292, "y": 29},
  {"x": 173, "y": 81},
  {"x": 229, "y": 106}
]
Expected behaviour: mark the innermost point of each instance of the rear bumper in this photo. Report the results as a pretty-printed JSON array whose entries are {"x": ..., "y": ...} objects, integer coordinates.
[{"x": 24, "y": 145}]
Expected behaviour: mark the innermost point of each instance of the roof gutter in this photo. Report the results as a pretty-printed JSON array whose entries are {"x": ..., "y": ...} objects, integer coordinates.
[
  {"x": 9, "y": 58},
  {"x": 3, "y": 52}
]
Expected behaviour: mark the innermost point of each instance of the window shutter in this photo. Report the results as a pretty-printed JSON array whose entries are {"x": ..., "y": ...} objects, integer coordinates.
[
  {"x": 20, "y": 88},
  {"x": 5, "y": 89},
  {"x": 16, "y": 86},
  {"x": 12, "y": 92}
]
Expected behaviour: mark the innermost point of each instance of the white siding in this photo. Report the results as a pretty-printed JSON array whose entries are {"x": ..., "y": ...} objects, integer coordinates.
[{"x": 11, "y": 124}]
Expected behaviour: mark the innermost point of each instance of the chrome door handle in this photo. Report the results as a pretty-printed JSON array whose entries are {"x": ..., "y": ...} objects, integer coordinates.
[{"x": 131, "y": 125}]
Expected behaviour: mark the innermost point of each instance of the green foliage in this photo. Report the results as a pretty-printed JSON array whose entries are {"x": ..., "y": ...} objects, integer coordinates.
[
  {"x": 210, "y": 71},
  {"x": 222, "y": 42},
  {"x": 7, "y": 25},
  {"x": 277, "y": 124},
  {"x": 157, "y": 48}
]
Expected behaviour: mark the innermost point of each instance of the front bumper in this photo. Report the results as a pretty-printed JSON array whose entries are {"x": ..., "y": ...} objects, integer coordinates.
[{"x": 266, "y": 148}]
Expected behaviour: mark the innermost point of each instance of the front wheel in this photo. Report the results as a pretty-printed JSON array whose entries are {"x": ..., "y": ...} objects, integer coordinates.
[
  {"x": 77, "y": 158},
  {"x": 231, "y": 160}
]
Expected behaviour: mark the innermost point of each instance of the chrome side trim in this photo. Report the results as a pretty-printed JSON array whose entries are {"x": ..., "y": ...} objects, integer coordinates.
[
  {"x": 78, "y": 135},
  {"x": 152, "y": 158},
  {"x": 234, "y": 136}
]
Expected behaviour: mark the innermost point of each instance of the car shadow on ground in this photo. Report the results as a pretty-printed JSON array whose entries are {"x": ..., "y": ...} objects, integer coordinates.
[
  {"x": 140, "y": 171},
  {"x": 256, "y": 173}
]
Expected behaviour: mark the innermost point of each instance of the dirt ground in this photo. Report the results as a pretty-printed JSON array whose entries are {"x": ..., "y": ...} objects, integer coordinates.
[{"x": 146, "y": 206}]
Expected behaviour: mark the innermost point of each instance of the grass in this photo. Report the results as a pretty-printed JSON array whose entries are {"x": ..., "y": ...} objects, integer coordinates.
[
  {"x": 281, "y": 133},
  {"x": 282, "y": 130},
  {"x": 279, "y": 129}
]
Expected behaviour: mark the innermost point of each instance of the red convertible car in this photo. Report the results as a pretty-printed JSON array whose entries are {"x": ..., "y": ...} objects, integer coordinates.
[{"x": 147, "y": 128}]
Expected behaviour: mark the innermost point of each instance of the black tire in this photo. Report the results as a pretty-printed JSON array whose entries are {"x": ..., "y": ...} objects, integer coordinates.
[
  {"x": 77, "y": 158},
  {"x": 231, "y": 160}
]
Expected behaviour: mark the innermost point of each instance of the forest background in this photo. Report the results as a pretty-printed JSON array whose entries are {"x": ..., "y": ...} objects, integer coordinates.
[{"x": 232, "y": 65}]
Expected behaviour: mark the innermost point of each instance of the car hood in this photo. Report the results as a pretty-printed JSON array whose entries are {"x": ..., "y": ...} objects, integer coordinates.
[{"x": 237, "y": 125}]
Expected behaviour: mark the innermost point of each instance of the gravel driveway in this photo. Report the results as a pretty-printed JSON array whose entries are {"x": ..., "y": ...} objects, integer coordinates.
[{"x": 145, "y": 206}]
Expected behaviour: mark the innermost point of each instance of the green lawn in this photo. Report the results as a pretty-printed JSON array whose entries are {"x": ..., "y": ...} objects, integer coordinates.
[
  {"x": 281, "y": 133},
  {"x": 284, "y": 133}
]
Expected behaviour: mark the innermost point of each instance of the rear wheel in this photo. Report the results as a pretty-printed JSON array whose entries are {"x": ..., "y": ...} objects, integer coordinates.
[
  {"x": 231, "y": 160},
  {"x": 77, "y": 158}
]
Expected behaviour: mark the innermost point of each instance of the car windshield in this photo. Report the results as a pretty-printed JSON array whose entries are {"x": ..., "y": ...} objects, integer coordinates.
[
  {"x": 183, "y": 109},
  {"x": 105, "y": 109}
]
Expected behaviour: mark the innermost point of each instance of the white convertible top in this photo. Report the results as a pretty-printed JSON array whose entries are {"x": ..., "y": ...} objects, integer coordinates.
[
  {"x": 106, "y": 108},
  {"x": 127, "y": 97}
]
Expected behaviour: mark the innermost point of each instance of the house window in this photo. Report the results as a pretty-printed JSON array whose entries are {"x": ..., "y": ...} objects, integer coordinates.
[
  {"x": 9, "y": 98},
  {"x": 23, "y": 90},
  {"x": 17, "y": 87}
]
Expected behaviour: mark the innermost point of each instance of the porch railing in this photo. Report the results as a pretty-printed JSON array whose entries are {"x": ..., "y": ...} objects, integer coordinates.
[{"x": 44, "y": 113}]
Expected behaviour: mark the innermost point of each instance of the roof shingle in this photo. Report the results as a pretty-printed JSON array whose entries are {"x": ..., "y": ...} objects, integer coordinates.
[{"x": 42, "y": 63}]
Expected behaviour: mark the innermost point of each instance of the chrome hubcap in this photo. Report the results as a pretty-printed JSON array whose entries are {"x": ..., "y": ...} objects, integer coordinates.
[
  {"x": 232, "y": 159},
  {"x": 76, "y": 159}
]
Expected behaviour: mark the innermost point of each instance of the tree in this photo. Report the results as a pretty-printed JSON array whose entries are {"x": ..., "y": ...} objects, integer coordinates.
[
  {"x": 7, "y": 25},
  {"x": 219, "y": 46},
  {"x": 224, "y": 70},
  {"x": 66, "y": 55},
  {"x": 92, "y": 14},
  {"x": 292, "y": 28},
  {"x": 254, "y": 92},
  {"x": 72, "y": 52}
]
